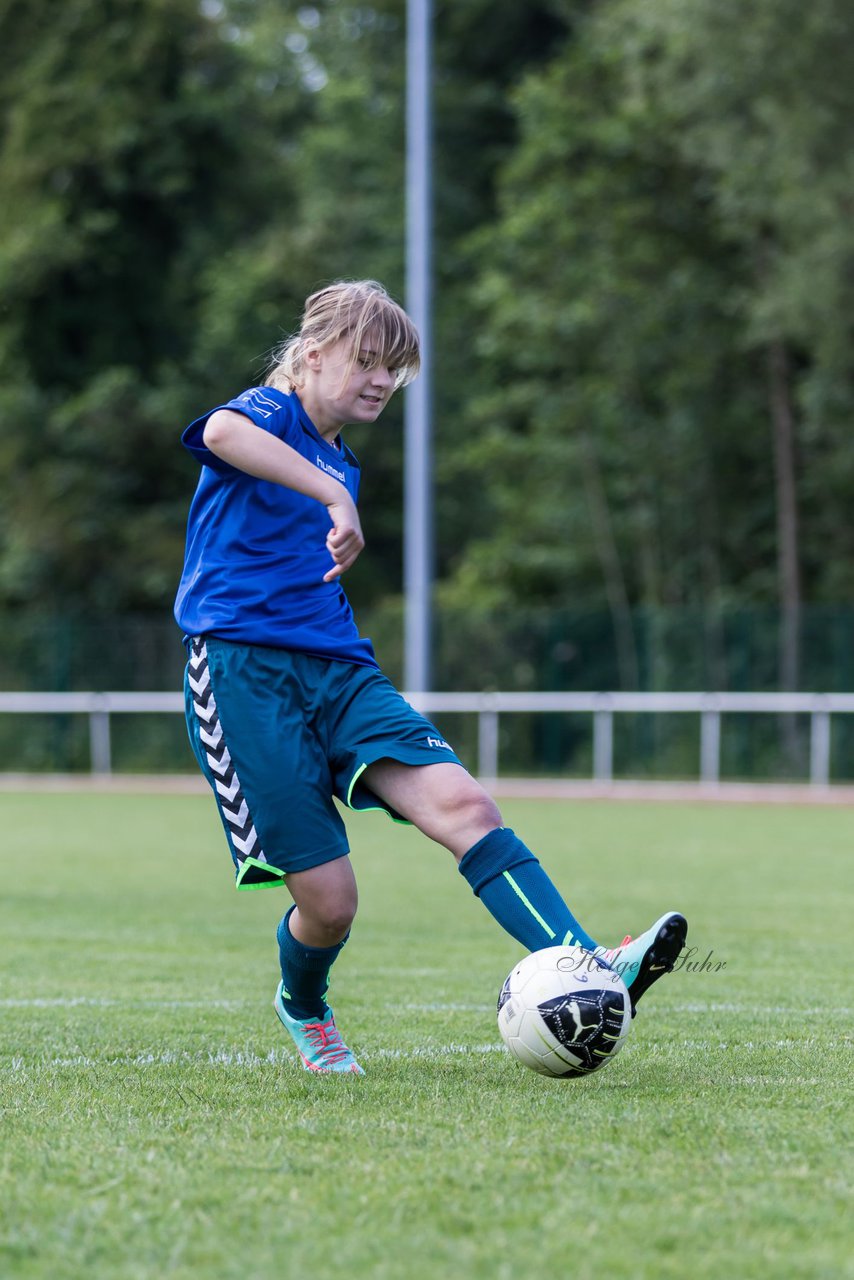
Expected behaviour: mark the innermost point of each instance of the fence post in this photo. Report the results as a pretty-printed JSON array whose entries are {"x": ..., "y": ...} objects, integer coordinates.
[
  {"x": 99, "y": 741},
  {"x": 487, "y": 743},
  {"x": 710, "y": 747},
  {"x": 820, "y": 748},
  {"x": 603, "y": 745}
]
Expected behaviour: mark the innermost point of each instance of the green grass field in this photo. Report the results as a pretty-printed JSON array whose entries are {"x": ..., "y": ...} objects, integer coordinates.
[{"x": 154, "y": 1122}]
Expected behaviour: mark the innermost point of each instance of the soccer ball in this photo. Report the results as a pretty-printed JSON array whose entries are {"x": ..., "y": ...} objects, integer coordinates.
[{"x": 562, "y": 1012}]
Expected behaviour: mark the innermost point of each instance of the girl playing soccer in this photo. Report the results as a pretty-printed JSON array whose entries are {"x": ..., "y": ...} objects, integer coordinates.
[{"x": 286, "y": 705}]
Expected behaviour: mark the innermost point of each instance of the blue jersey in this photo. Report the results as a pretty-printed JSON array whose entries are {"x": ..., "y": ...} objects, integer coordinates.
[{"x": 256, "y": 551}]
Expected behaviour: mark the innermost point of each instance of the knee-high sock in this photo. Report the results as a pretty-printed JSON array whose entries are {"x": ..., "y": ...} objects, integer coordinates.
[
  {"x": 515, "y": 889},
  {"x": 305, "y": 972}
]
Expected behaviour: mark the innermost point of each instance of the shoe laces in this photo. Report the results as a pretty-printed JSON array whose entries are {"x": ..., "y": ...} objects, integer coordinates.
[
  {"x": 612, "y": 951},
  {"x": 326, "y": 1038}
]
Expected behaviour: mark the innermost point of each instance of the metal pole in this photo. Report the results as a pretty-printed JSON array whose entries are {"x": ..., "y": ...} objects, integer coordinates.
[
  {"x": 418, "y": 536},
  {"x": 487, "y": 745},
  {"x": 99, "y": 741},
  {"x": 820, "y": 748},
  {"x": 603, "y": 745},
  {"x": 710, "y": 747}
]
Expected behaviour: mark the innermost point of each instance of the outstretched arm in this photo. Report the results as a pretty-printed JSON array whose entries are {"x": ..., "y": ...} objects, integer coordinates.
[{"x": 232, "y": 437}]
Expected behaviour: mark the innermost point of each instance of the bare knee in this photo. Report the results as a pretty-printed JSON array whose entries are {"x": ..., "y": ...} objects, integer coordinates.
[
  {"x": 322, "y": 923},
  {"x": 480, "y": 810},
  {"x": 326, "y": 903},
  {"x": 469, "y": 813},
  {"x": 335, "y": 916},
  {"x": 442, "y": 800}
]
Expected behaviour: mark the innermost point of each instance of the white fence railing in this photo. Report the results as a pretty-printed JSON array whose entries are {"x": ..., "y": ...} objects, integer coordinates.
[{"x": 488, "y": 707}]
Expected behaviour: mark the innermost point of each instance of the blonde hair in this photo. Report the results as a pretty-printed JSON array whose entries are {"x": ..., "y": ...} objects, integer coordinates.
[{"x": 362, "y": 311}]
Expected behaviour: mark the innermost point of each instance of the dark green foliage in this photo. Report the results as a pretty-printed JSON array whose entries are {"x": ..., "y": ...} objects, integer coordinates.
[
  {"x": 135, "y": 152},
  {"x": 641, "y": 214}
]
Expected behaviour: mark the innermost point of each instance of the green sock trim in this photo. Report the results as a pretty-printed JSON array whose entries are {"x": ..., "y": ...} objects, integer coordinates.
[{"x": 533, "y": 910}]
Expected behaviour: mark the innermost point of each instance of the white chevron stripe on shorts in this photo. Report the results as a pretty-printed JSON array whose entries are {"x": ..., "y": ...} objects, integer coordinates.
[{"x": 233, "y": 806}]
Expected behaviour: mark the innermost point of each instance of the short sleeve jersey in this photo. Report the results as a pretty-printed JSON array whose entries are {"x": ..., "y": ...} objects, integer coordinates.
[{"x": 256, "y": 551}]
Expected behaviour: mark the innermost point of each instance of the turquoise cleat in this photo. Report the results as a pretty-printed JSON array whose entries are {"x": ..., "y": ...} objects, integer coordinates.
[
  {"x": 318, "y": 1040},
  {"x": 642, "y": 961}
]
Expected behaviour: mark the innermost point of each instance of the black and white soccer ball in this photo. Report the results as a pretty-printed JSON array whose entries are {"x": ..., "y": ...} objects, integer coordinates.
[{"x": 563, "y": 1012}]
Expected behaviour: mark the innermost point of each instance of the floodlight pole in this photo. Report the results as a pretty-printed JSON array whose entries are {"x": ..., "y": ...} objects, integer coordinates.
[{"x": 418, "y": 521}]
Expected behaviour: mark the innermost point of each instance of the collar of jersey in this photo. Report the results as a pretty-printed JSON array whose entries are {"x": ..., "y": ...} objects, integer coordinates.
[{"x": 339, "y": 450}]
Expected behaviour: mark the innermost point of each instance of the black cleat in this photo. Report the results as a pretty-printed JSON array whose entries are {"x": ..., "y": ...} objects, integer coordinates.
[{"x": 642, "y": 961}]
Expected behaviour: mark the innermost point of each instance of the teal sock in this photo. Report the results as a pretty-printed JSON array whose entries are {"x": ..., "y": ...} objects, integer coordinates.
[
  {"x": 305, "y": 973},
  {"x": 515, "y": 889}
]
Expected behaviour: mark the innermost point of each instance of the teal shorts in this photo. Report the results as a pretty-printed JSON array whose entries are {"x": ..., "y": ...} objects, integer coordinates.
[{"x": 278, "y": 734}]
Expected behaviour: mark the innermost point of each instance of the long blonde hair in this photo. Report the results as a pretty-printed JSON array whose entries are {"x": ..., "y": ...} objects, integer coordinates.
[{"x": 362, "y": 311}]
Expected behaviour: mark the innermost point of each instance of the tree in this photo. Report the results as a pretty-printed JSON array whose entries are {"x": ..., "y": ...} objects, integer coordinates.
[
  {"x": 605, "y": 339},
  {"x": 212, "y": 167},
  {"x": 762, "y": 100},
  {"x": 134, "y": 154},
  {"x": 647, "y": 308}
]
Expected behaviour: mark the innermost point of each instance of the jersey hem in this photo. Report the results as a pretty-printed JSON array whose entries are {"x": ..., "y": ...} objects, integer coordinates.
[{"x": 346, "y": 659}]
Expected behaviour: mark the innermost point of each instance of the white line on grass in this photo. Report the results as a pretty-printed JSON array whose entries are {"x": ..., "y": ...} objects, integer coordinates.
[
  {"x": 240, "y": 1057},
  {"x": 450, "y": 1006},
  {"x": 249, "y": 1061},
  {"x": 779, "y": 1010},
  {"x": 102, "y": 1002}
]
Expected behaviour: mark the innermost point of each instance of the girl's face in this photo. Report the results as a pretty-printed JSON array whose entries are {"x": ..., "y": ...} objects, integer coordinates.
[{"x": 332, "y": 397}]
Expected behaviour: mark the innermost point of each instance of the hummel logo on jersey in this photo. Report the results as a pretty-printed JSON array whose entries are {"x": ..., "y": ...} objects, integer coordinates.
[
  {"x": 438, "y": 742},
  {"x": 330, "y": 471}
]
